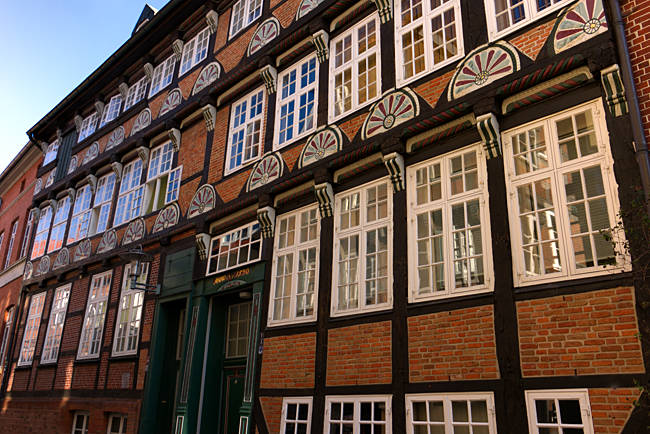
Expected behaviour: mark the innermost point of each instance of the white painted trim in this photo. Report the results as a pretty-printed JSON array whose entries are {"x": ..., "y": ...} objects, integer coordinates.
[
  {"x": 581, "y": 395},
  {"x": 447, "y": 399}
]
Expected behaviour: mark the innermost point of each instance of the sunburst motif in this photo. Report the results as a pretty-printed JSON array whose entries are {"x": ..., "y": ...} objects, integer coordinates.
[
  {"x": 578, "y": 23},
  {"x": 116, "y": 138},
  {"x": 208, "y": 76},
  {"x": 173, "y": 99},
  {"x": 108, "y": 242},
  {"x": 204, "y": 200},
  {"x": 134, "y": 231},
  {"x": 321, "y": 144},
  {"x": 167, "y": 218},
  {"x": 268, "y": 169},
  {"x": 266, "y": 32},
  {"x": 142, "y": 121},
  {"x": 91, "y": 153},
  {"x": 394, "y": 108}
]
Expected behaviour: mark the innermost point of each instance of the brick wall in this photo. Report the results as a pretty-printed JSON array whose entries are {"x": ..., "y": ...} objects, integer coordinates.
[
  {"x": 289, "y": 361},
  {"x": 454, "y": 345},
  {"x": 531, "y": 42},
  {"x": 611, "y": 408},
  {"x": 359, "y": 354},
  {"x": 580, "y": 334},
  {"x": 272, "y": 409}
]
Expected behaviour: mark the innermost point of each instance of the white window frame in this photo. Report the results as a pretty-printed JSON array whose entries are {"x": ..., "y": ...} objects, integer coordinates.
[
  {"x": 27, "y": 233},
  {"x": 253, "y": 228},
  {"x": 55, "y": 324},
  {"x": 52, "y": 151},
  {"x": 88, "y": 126},
  {"x": 129, "y": 316},
  {"x": 9, "y": 321},
  {"x": 530, "y": 11},
  {"x": 130, "y": 197},
  {"x": 112, "y": 109},
  {"x": 122, "y": 428},
  {"x": 10, "y": 247},
  {"x": 294, "y": 99},
  {"x": 446, "y": 203},
  {"x": 191, "y": 56},
  {"x": 163, "y": 180},
  {"x": 59, "y": 224},
  {"x": 245, "y": 16},
  {"x": 581, "y": 395},
  {"x": 42, "y": 230},
  {"x": 425, "y": 22},
  {"x": 295, "y": 250},
  {"x": 554, "y": 172},
  {"x": 447, "y": 399},
  {"x": 163, "y": 75},
  {"x": 100, "y": 219},
  {"x": 298, "y": 401},
  {"x": 246, "y": 129},
  {"x": 136, "y": 93},
  {"x": 84, "y": 422},
  {"x": 92, "y": 329},
  {"x": 353, "y": 64},
  {"x": 356, "y": 400},
  {"x": 32, "y": 325},
  {"x": 81, "y": 212}
]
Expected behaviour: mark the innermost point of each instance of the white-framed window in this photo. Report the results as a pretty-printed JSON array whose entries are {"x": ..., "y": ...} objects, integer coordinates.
[
  {"x": 80, "y": 215},
  {"x": 559, "y": 411},
  {"x": 451, "y": 413},
  {"x": 239, "y": 320},
  {"x": 55, "y": 324},
  {"x": 355, "y": 68},
  {"x": 42, "y": 231},
  {"x": 562, "y": 196},
  {"x": 162, "y": 182},
  {"x": 294, "y": 286},
  {"x": 116, "y": 424},
  {"x": 506, "y": 16},
  {"x": 102, "y": 204},
  {"x": 6, "y": 332},
  {"x": 244, "y": 12},
  {"x": 297, "y": 101},
  {"x": 52, "y": 151},
  {"x": 129, "y": 201},
  {"x": 245, "y": 134},
  {"x": 428, "y": 36},
  {"x": 129, "y": 314},
  {"x": 27, "y": 233},
  {"x": 195, "y": 50},
  {"x": 80, "y": 423},
  {"x": 112, "y": 110},
  {"x": 449, "y": 225},
  {"x": 296, "y": 415},
  {"x": 93, "y": 325},
  {"x": 136, "y": 93},
  {"x": 162, "y": 76},
  {"x": 363, "y": 252},
  {"x": 12, "y": 241},
  {"x": 358, "y": 414},
  {"x": 59, "y": 224},
  {"x": 88, "y": 126},
  {"x": 235, "y": 248},
  {"x": 32, "y": 325}
]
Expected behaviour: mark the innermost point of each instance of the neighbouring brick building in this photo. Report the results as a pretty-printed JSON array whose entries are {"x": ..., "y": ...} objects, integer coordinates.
[{"x": 293, "y": 216}]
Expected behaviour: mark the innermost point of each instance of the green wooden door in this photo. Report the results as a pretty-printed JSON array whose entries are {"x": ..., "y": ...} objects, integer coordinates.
[{"x": 233, "y": 388}]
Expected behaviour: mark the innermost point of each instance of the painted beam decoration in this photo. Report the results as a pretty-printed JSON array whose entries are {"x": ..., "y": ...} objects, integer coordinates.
[
  {"x": 142, "y": 121},
  {"x": 483, "y": 66},
  {"x": 325, "y": 197},
  {"x": 265, "y": 33},
  {"x": 166, "y": 218},
  {"x": 82, "y": 251},
  {"x": 266, "y": 218},
  {"x": 266, "y": 170},
  {"x": 395, "y": 165},
  {"x": 321, "y": 41},
  {"x": 29, "y": 271},
  {"x": 384, "y": 9},
  {"x": 62, "y": 259},
  {"x": 73, "y": 164},
  {"x": 91, "y": 153},
  {"x": 614, "y": 91},
  {"x": 323, "y": 143},
  {"x": 204, "y": 200},
  {"x": 116, "y": 138},
  {"x": 307, "y": 6},
  {"x": 43, "y": 266},
  {"x": 172, "y": 100},
  {"x": 208, "y": 75},
  {"x": 202, "y": 243},
  {"x": 270, "y": 77},
  {"x": 108, "y": 242},
  {"x": 134, "y": 231},
  {"x": 488, "y": 128},
  {"x": 578, "y": 23},
  {"x": 209, "y": 116},
  {"x": 396, "y": 107}
]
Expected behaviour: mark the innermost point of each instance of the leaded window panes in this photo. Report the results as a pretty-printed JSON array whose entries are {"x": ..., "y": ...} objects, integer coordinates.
[
  {"x": 112, "y": 110},
  {"x": 102, "y": 204},
  {"x": 244, "y": 12},
  {"x": 471, "y": 413},
  {"x": 129, "y": 314},
  {"x": 245, "y": 137},
  {"x": 42, "y": 231},
  {"x": 296, "y": 415},
  {"x": 559, "y": 411},
  {"x": 136, "y": 93},
  {"x": 88, "y": 126},
  {"x": 93, "y": 325},
  {"x": 80, "y": 215},
  {"x": 358, "y": 414},
  {"x": 32, "y": 325},
  {"x": 55, "y": 324},
  {"x": 564, "y": 197},
  {"x": 428, "y": 36},
  {"x": 195, "y": 50},
  {"x": 363, "y": 238},
  {"x": 295, "y": 267},
  {"x": 131, "y": 195},
  {"x": 297, "y": 101},
  {"x": 449, "y": 229},
  {"x": 162, "y": 76},
  {"x": 59, "y": 224},
  {"x": 235, "y": 248},
  {"x": 504, "y": 16},
  {"x": 239, "y": 319},
  {"x": 355, "y": 68}
]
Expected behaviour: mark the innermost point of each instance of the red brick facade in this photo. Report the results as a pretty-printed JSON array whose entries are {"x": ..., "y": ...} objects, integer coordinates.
[{"x": 289, "y": 362}]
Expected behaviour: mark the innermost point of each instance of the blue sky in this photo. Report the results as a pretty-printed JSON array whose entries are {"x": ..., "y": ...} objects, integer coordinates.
[{"x": 49, "y": 48}]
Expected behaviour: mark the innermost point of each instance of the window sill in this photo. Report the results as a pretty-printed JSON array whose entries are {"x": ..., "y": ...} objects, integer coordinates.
[
  {"x": 519, "y": 282},
  {"x": 346, "y": 314},
  {"x": 131, "y": 357},
  {"x": 294, "y": 140},
  {"x": 242, "y": 167},
  {"x": 497, "y": 35},
  {"x": 413, "y": 300},
  {"x": 276, "y": 324},
  {"x": 401, "y": 82},
  {"x": 23, "y": 367},
  {"x": 87, "y": 361},
  {"x": 242, "y": 30},
  {"x": 352, "y": 112}
]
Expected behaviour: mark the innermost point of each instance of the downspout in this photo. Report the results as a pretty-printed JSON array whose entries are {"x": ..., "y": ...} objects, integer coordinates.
[{"x": 640, "y": 144}]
